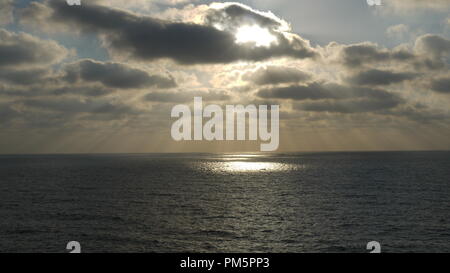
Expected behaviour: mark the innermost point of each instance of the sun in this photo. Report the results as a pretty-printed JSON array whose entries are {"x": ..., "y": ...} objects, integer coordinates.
[{"x": 261, "y": 37}]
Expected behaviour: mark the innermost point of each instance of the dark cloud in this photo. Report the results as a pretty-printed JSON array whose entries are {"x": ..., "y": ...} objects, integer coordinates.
[
  {"x": 24, "y": 50},
  {"x": 428, "y": 52},
  {"x": 335, "y": 98},
  {"x": 115, "y": 75},
  {"x": 367, "y": 53},
  {"x": 85, "y": 77},
  {"x": 319, "y": 91},
  {"x": 24, "y": 77},
  {"x": 380, "y": 77},
  {"x": 146, "y": 38},
  {"x": 276, "y": 75},
  {"x": 427, "y": 55},
  {"x": 434, "y": 45},
  {"x": 441, "y": 85}
]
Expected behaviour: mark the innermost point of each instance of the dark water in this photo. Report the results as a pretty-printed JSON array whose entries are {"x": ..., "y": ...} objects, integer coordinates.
[{"x": 334, "y": 202}]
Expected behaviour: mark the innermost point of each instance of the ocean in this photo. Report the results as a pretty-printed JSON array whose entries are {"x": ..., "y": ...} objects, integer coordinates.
[{"x": 261, "y": 203}]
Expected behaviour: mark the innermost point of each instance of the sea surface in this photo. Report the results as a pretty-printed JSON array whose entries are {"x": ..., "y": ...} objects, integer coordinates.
[{"x": 304, "y": 202}]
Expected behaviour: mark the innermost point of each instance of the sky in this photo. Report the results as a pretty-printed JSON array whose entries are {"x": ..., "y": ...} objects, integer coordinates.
[{"x": 103, "y": 77}]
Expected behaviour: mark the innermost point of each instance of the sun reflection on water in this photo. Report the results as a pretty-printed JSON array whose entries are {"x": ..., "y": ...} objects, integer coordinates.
[
  {"x": 245, "y": 166},
  {"x": 248, "y": 166},
  {"x": 247, "y": 163}
]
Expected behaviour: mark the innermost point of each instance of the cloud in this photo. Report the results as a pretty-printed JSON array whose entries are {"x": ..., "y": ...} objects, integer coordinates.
[
  {"x": 83, "y": 78},
  {"x": 71, "y": 106},
  {"x": 63, "y": 113},
  {"x": 434, "y": 45},
  {"x": 441, "y": 85},
  {"x": 82, "y": 90},
  {"x": 276, "y": 75},
  {"x": 334, "y": 98},
  {"x": 400, "y": 31},
  {"x": 115, "y": 75},
  {"x": 380, "y": 77},
  {"x": 144, "y": 38},
  {"x": 24, "y": 50},
  {"x": 428, "y": 53},
  {"x": 419, "y": 113},
  {"x": 24, "y": 77},
  {"x": 232, "y": 15},
  {"x": 357, "y": 55},
  {"x": 87, "y": 91},
  {"x": 319, "y": 91}
]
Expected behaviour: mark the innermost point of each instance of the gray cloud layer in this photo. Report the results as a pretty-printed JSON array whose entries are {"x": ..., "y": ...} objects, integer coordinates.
[{"x": 146, "y": 38}]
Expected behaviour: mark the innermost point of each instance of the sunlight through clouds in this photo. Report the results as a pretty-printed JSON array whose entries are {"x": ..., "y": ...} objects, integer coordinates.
[{"x": 255, "y": 35}]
